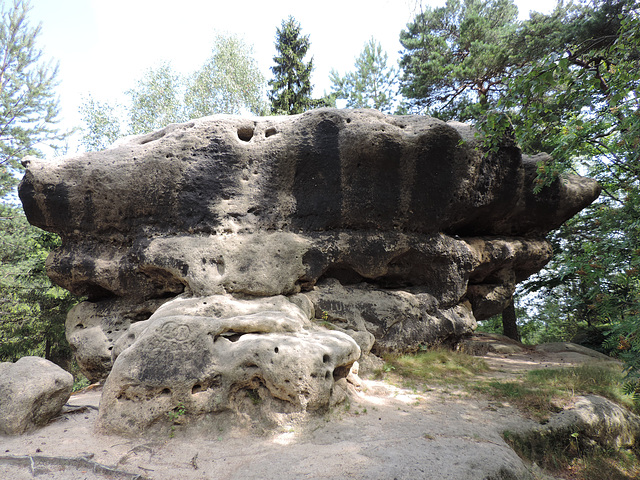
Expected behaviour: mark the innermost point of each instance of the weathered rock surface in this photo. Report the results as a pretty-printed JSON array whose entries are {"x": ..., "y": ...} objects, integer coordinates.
[
  {"x": 396, "y": 227},
  {"x": 32, "y": 391},
  {"x": 592, "y": 421},
  {"x": 216, "y": 353}
]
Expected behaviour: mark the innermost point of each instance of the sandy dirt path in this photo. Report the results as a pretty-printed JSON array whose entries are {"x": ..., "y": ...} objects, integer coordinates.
[{"x": 386, "y": 432}]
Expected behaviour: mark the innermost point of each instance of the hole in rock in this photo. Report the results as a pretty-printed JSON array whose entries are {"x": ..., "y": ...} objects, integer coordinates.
[
  {"x": 231, "y": 335},
  {"x": 196, "y": 388},
  {"x": 109, "y": 332},
  {"x": 327, "y": 375},
  {"x": 80, "y": 325},
  {"x": 276, "y": 350},
  {"x": 95, "y": 292},
  {"x": 326, "y": 358},
  {"x": 412, "y": 268},
  {"x": 141, "y": 316},
  {"x": 341, "y": 372},
  {"x": 166, "y": 294},
  {"x": 165, "y": 284},
  {"x": 110, "y": 348},
  {"x": 270, "y": 132},
  {"x": 165, "y": 391},
  {"x": 343, "y": 273},
  {"x": 245, "y": 133},
  {"x": 131, "y": 336}
]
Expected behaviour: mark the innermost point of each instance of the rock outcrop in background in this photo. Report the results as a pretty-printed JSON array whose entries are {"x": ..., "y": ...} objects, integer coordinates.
[{"x": 213, "y": 253}]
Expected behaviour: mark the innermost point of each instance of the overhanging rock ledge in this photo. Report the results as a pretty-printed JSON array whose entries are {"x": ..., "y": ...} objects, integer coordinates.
[{"x": 214, "y": 253}]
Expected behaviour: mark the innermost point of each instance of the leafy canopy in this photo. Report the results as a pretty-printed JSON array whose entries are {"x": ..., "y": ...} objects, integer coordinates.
[
  {"x": 32, "y": 310},
  {"x": 228, "y": 82},
  {"x": 580, "y": 102},
  {"x": 458, "y": 57}
]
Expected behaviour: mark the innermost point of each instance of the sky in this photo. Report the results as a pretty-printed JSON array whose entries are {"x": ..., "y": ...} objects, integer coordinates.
[{"x": 103, "y": 46}]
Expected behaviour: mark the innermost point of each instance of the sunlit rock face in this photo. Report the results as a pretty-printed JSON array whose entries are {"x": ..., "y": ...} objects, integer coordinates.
[{"x": 249, "y": 236}]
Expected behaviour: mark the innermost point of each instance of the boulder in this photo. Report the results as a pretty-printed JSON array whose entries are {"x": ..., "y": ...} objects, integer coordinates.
[
  {"x": 32, "y": 391},
  {"x": 215, "y": 354},
  {"x": 398, "y": 231},
  {"x": 592, "y": 422}
]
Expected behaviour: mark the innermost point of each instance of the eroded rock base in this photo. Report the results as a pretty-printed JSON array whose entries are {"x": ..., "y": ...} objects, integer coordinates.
[{"x": 218, "y": 353}]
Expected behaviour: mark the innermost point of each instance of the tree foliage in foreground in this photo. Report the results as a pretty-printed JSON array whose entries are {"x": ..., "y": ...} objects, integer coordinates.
[
  {"x": 373, "y": 83},
  {"x": 28, "y": 103},
  {"x": 581, "y": 103},
  {"x": 228, "y": 82},
  {"x": 32, "y": 310},
  {"x": 565, "y": 83},
  {"x": 458, "y": 58}
]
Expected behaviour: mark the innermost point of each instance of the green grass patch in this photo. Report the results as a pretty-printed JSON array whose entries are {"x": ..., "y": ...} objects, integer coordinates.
[
  {"x": 608, "y": 465},
  {"x": 568, "y": 459},
  {"x": 543, "y": 392},
  {"x": 439, "y": 366},
  {"x": 539, "y": 394}
]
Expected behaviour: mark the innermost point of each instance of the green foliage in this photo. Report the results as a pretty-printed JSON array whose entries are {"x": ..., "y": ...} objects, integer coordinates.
[
  {"x": 229, "y": 82},
  {"x": 439, "y": 364},
  {"x": 101, "y": 124},
  {"x": 155, "y": 100},
  {"x": 568, "y": 455},
  {"x": 580, "y": 103},
  {"x": 28, "y": 104},
  {"x": 178, "y": 412},
  {"x": 624, "y": 337},
  {"x": 458, "y": 57},
  {"x": 291, "y": 86},
  {"x": 33, "y": 311},
  {"x": 80, "y": 382},
  {"x": 373, "y": 84}
]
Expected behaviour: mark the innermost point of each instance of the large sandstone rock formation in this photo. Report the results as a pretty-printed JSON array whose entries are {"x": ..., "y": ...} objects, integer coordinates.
[{"x": 207, "y": 248}]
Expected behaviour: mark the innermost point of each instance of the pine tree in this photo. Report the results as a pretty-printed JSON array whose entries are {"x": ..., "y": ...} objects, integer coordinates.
[
  {"x": 32, "y": 310},
  {"x": 28, "y": 104},
  {"x": 291, "y": 87},
  {"x": 373, "y": 84},
  {"x": 458, "y": 57}
]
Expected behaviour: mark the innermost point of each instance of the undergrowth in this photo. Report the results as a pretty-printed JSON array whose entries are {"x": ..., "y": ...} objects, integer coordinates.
[
  {"x": 540, "y": 393},
  {"x": 537, "y": 394},
  {"x": 440, "y": 366}
]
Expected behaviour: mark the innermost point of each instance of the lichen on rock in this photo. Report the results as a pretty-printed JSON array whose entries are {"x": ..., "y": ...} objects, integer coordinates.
[{"x": 395, "y": 231}]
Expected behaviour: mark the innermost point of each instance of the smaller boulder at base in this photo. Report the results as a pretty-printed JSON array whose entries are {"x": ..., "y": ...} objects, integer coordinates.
[{"x": 32, "y": 391}]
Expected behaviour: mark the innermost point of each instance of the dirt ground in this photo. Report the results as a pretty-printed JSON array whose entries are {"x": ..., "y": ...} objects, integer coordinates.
[{"x": 385, "y": 432}]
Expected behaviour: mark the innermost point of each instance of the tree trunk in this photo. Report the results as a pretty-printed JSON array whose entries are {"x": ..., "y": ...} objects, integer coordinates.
[{"x": 509, "y": 325}]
